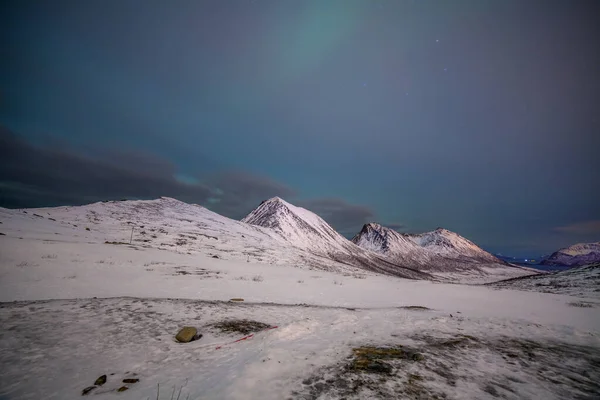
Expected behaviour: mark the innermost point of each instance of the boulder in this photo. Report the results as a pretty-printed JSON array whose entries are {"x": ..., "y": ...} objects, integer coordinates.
[
  {"x": 131, "y": 380},
  {"x": 122, "y": 389},
  {"x": 186, "y": 334}
]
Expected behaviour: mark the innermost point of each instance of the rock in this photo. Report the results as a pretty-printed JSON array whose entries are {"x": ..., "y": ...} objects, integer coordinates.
[
  {"x": 215, "y": 256},
  {"x": 131, "y": 380},
  {"x": 100, "y": 381},
  {"x": 236, "y": 299},
  {"x": 122, "y": 389},
  {"x": 87, "y": 390},
  {"x": 418, "y": 357},
  {"x": 186, "y": 334}
]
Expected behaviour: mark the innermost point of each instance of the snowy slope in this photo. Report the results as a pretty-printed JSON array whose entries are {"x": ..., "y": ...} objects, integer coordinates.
[
  {"x": 305, "y": 230},
  {"x": 440, "y": 252},
  {"x": 475, "y": 340},
  {"x": 575, "y": 255},
  {"x": 578, "y": 281},
  {"x": 173, "y": 225}
]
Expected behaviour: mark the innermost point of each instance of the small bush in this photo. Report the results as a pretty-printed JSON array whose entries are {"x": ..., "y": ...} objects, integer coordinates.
[
  {"x": 50, "y": 256},
  {"x": 257, "y": 278},
  {"x": 300, "y": 281}
]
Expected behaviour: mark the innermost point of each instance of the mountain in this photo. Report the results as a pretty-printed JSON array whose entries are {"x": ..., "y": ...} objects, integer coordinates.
[
  {"x": 290, "y": 235},
  {"x": 305, "y": 230},
  {"x": 276, "y": 232},
  {"x": 575, "y": 255},
  {"x": 440, "y": 252},
  {"x": 577, "y": 281}
]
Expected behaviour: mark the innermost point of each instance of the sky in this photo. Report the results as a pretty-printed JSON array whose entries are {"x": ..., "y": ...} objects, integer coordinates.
[{"x": 482, "y": 117}]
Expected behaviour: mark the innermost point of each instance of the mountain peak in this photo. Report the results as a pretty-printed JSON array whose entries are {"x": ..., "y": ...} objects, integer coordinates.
[
  {"x": 295, "y": 224},
  {"x": 440, "y": 247}
]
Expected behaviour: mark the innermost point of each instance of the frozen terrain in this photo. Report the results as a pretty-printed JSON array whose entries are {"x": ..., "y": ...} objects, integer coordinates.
[
  {"x": 76, "y": 304},
  {"x": 575, "y": 255},
  {"x": 441, "y": 253},
  {"x": 167, "y": 223},
  {"x": 579, "y": 281}
]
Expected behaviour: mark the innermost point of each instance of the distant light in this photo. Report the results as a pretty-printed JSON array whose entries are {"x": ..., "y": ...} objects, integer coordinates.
[
  {"x": 525, "y": 260},
  {"x": 437, "y": 40}
]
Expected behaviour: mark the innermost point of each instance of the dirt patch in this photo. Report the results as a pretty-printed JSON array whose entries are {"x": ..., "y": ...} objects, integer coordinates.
[{"x": 243, "y": 326}]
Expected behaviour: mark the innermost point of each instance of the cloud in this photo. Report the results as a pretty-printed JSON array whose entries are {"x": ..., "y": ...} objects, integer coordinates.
[
  {"x": 581, "y": 228},
  {"x": 45, "y": 176},
  {"x": 32, "y": 176},
  {"x": 346, "y": 218},
  {"x": 396, "y": 227},
  {"x": 237, "y": 192}
]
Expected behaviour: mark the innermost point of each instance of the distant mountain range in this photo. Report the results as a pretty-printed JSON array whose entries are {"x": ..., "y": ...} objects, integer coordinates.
[
  {"x": 440, "y": 252},
  {"x": 575, "y": 255},
  {"x": 276, "y": 232}
]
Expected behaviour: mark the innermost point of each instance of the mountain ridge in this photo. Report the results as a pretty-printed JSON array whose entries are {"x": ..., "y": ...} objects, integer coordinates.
[
  {"x": 575, "y": 255},
  {"x": 439, "y": 252}
]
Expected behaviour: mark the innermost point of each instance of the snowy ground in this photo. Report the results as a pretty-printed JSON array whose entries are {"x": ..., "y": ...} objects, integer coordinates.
[
  {"x": 476, "y": 341},
  {"x": 579, "y": 281},
  {"x": 54, "y": 349}
]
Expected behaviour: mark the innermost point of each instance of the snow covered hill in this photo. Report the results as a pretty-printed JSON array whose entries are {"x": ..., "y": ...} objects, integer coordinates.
[
  {"x": 575, "y": 255},
  {"x": 440, "y": 252},
  {"x": 173, "y": 225},
  {"x": 578, "y": 281}
]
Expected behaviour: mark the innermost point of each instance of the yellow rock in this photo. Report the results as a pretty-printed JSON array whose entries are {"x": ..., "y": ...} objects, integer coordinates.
[{"x": 186, "y": 334}]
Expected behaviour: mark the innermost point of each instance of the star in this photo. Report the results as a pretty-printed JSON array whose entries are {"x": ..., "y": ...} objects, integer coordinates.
[{"x": 437, "y": 40}]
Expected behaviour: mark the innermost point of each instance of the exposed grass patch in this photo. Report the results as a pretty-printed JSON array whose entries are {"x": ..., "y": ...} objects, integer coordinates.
[
  {"x": 243, "y": 326},
  {"x": 416, "y": 308}
]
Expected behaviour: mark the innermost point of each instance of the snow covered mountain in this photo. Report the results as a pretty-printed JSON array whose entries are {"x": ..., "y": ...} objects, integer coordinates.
[
  {"x": 276, "y": 232},
  {"x": 305, "y": 230},
  {"x": 576, "y": 255},
  {"x": 298, "y": 238},
  {"x": 440, "y": 252}
]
